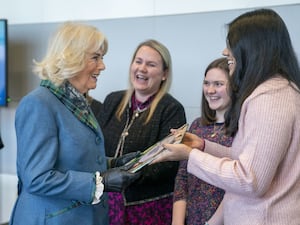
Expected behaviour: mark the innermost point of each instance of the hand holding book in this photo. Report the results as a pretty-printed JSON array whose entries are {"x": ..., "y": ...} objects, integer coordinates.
[{"x": 147, "y": 156}]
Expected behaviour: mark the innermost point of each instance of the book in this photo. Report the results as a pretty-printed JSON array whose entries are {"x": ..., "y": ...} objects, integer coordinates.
[{"x": 151, "y": 153}]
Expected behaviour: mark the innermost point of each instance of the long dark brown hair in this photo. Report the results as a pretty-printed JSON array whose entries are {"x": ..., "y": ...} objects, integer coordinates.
[{"x": 262, "y": 48}]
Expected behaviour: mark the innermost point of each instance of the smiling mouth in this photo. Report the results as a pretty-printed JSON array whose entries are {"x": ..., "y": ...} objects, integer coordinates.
[
  {"x": 213, "y": 98},
  {"x": 230, "y": 62},
  {"x": 95, "y": 77},
  {"x": 141, "y": 77}
]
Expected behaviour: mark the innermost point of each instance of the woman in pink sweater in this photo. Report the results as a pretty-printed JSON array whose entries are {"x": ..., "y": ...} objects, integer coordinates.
[{"x": 261, "y": 171}]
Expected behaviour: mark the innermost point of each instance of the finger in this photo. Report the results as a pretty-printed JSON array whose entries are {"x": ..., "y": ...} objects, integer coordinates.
[
  {"x": 159, "y": 158},
  {"x": 168, "y": 146},
  {"x": 173, "y": 131}
]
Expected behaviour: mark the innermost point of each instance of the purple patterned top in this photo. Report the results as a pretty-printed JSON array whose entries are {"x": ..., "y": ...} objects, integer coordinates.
[{"x": 202, "y": 198}]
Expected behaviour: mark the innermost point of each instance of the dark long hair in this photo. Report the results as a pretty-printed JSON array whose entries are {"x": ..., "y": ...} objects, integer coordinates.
[
  {"x": 208, "y": 116},
  {"x": 262, "y": 48}
]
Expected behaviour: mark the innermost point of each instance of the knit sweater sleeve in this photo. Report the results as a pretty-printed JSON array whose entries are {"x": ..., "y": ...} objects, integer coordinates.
[
  {"x": 262, "y": 141},
  {"x": 216, "y": 149}
]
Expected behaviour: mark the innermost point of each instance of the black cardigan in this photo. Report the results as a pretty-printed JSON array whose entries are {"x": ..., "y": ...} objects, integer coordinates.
[{"x": 157, "y": 180}]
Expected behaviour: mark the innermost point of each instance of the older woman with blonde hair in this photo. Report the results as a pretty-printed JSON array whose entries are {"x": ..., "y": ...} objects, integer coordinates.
[{"x": 61, "y": 162}]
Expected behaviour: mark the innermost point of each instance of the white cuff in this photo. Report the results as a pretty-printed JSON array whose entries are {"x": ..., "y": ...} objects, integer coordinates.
[{"x": 99, "y": 188}]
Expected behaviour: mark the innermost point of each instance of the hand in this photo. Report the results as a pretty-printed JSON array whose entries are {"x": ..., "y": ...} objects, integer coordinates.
[
  {"x": 193, "y": 141},
  {"x": 117, "y": 179},
  {"x": 122, "y": 160},
  {"x": 173, "y": 152}
]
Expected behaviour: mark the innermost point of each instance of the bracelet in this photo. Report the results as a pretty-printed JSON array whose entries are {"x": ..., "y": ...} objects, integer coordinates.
[{"x": 206, "y": 223}]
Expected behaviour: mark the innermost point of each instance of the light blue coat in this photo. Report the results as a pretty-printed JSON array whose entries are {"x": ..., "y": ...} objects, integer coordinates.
[{"x": 57, "y": 156}]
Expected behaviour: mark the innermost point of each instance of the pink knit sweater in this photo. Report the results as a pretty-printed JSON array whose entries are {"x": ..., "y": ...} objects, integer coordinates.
[{"x": 261, "y": 171}]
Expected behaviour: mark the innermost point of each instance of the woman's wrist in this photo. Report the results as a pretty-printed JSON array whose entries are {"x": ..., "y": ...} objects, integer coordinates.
[{"x": 202, "y": 145}]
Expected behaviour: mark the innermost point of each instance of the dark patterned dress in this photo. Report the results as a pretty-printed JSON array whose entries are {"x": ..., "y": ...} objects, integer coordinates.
[{"x": 202, "y": 198}]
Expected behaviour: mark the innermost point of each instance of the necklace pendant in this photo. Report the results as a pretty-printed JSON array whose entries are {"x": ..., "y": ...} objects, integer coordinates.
[
  {"x": 125, "y": 133},
  {"x": 137, "y": 114},
  {"x": 217, "y": 130}
]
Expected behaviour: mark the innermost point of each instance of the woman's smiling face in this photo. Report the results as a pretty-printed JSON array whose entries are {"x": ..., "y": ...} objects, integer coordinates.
[
  {"x": 87, "y": 78},
  {"x": 146, "y": 71},
  {"x": 215, "y": 89}
]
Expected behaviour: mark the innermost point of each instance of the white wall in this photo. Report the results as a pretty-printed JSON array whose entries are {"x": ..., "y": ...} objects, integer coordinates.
[
  {"x": 39, "y": 11},
  {"x": 8, "y": 195}
]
